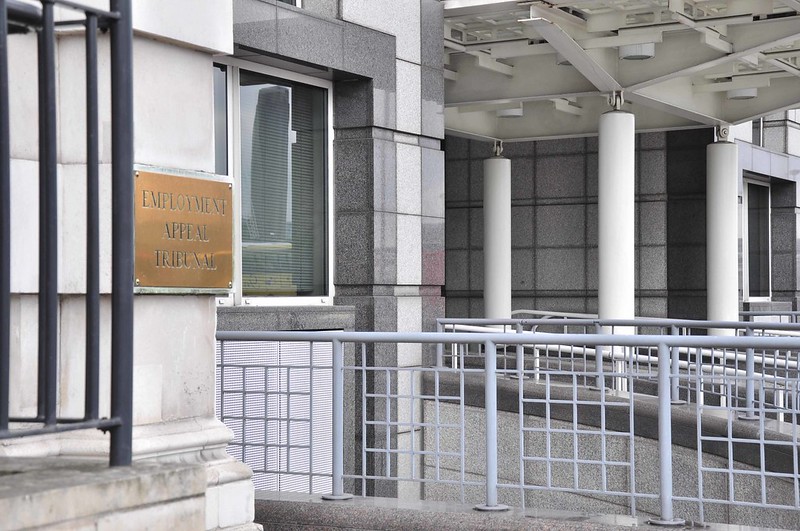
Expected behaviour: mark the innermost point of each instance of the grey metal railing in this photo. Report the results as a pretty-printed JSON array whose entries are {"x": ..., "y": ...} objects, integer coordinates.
[
  {"x": 776, "y": 368},
  {"x": 440, "y": 426},
  {"x": 19, "y": 17}
]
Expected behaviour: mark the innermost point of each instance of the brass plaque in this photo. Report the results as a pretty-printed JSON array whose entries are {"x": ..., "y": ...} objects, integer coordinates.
[{"x": 184, "y": 230}]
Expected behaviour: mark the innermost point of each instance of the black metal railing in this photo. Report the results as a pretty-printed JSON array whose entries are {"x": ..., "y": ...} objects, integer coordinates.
[{"x": 18, "y": 17}]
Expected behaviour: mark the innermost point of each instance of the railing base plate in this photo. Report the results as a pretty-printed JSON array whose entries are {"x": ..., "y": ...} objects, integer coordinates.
[
  {"x": 499, "y": 507},
  {"x": 748, "y": 416},
  {"x": 337, "y": 497},
  {"x": 675, "y": 522}
]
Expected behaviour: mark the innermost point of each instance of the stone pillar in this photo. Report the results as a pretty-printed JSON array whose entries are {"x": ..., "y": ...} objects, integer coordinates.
[
  {"x": 497, "y": 238},
  {"x": 616, "y": 217},
  {"x": 722, "y": 231}
]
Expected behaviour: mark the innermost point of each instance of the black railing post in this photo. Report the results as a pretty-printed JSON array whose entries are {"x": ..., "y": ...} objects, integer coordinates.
[
  {"x": 122, "y": 232},
  {"x": 5, "y": 225},
  {"x": 48, "y": 219},
  {"x": 92, "y": 226}
]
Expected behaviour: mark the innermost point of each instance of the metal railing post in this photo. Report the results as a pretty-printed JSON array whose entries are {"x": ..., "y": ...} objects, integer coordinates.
[
  {"x": 439, "y": 347},
  {"x": 520, "y": 353},
  {"x": 337, "y": 423},
  {"x": 48, "y": 219},
  {"x": 92, "y": 384},
  {"x": 749, "y": 384},
  {"x": 675, "y": 366},
  {"x": 122, "y": 233},
  {"x": 490, "y": 397},
  {"x": 5, "y": 227},
  {"x": 598, "y": 359},
  {"x": 665, "y": 441}
]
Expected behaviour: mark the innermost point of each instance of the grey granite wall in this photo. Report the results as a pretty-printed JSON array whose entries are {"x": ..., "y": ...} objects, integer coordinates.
[
  {"x": 388, "y": 125},
  {"x": 554, "y": 225},
  {"x": 388, "y": 177}
]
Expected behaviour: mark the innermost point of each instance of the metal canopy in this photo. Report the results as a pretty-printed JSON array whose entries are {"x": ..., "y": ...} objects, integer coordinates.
[{"x": 519, "y": 70}]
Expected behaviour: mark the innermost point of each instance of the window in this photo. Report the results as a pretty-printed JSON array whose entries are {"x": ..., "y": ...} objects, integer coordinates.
[
  {"x": 757, "y": 274},
  {"x": 278, "y": 154}
]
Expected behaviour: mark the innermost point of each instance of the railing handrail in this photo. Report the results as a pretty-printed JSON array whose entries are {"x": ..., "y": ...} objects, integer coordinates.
[
  {"x": 515, "y": 339},
  {"x": 639, "y": 321}
]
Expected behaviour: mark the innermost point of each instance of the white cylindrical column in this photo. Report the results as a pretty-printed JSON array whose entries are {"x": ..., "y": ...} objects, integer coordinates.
[
  {"x": 722, "y": 232},
  {"x": 497, "y": 238},
  {"x": 616, "y": 217}
]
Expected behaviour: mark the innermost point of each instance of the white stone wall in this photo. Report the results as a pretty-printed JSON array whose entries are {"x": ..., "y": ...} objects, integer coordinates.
[{"x": 173, "y": 375}]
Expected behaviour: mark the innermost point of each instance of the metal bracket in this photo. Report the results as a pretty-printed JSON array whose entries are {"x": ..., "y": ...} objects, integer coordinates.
[
  {"x": 723, "y": 132},
  {"x": 616, "y": 100},
  {"x": 498, "y": 148}
]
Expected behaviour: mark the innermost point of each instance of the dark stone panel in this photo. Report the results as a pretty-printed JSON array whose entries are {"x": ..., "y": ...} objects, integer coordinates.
[
  {"x": 456, "y": 306},
  {"x": 326, "y": 8},
  {"x": 522, "y": 269},
  {"x": 512, "y": 150},
  {"x": 476, "y": 271},
  {"x": 353, "y": 104},
  {"x": 354, "y": 248},
  {"x": 564, "y": 303},
  {"x": 309, "y": 38},
  {"x": 560, "y": 225},
  {"x": 783, "y": 226},
  {"x": 364, "y": 305},
  {"x": 385, "y": 318},
  {"x": 592, "y": 175},
  {"x": 255, "y": 24},
  {"x": 652, "y": 172},
  {"x": 687, "y": 305},
  {"x": 652, "y": 140},
  {"x": 431, "y": 18},
  {"x": 686, "y": 266},
  {"x": 686, "y": 222},
  {"x": 480, "y": 150},
  {"x": 691, "y": 138},
  {"x": 522, "y": 178},
  {"x": 476, "y": 306},
  {"x": 652, "y": 268},
  {"x": 652, "y": 227},
  {"x": 457, "y": 270},
  {"x": 652, "y": 306},
  {"x": 476, "y": 228},
  {"x": 455, "y": 148},
  {"x": 560, "y": 177},
  {"x": 686, "y": 171},
  {"x": 522, "y": 227},
  {"x": 784, "y": 272},
  {"x": 560, "y": 269},
  {"x": 457, "y": 229},
  {"x": 433, "y": 251},
  {"x": 354, "y": 175},
  {"x": 255, "y": 318},
  {"x": 378, "y": 63},
  {"x": 562, "y": 146},
  {"x": 592, "y": 269},
  {"x": 783, "y": 194},
  {"x": 456, "y": 180},
  {"x": 476, "y": 179}
]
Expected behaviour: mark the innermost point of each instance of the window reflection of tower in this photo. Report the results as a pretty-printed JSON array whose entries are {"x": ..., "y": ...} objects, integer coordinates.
[
  {"x": 271, "y": 166},
  {"x": 283, "y": 138}
]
